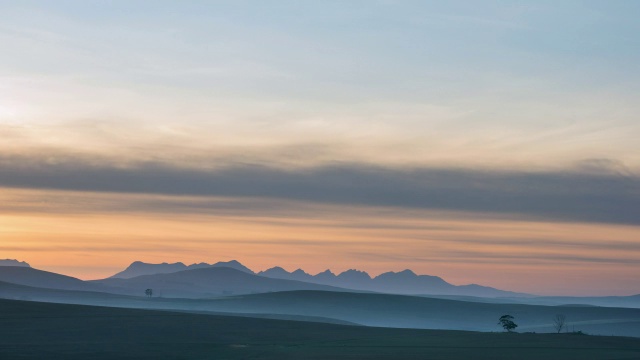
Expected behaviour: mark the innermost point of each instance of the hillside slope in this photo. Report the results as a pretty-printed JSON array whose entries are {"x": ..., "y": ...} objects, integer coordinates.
[{"x": 53, "y": 331}]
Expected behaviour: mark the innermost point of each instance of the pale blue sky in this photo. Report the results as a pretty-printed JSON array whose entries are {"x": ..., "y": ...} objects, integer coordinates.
[{"x": 505, "y": 82}]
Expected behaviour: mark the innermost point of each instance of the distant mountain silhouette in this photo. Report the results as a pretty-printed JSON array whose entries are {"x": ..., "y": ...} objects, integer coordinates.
[
  {"x": 233, "y": 278},
  {"x": 13, "y": 262},
  {"x": 325, "y": 277},
  {"x": 139, "y": 268},
  {"x": 403, "y": 282},
  {"x": 280, "y": 273},
  {"x": 205, "y": 282},
  {"x": 234, "y": 264}
]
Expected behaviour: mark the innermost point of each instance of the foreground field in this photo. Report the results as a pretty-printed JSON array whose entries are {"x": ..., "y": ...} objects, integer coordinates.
[{"x": 33, "y": 330}]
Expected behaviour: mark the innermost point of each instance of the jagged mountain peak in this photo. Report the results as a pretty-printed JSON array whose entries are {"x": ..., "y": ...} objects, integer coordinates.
[
  {"x": 199, "y": 264},
  {"x": 14, "y": 262},
  {"x": 138, "y": 268},
  {"x": 234, "y": 264},
  {"x": 392, "y": 274},
  {"x": 139, "y": 263},
  {"x": 275, "y": 272},
  {"x": 326, "y": 273},
  {"x": 274, "y": 269},
  {"x": 407, "y": 272},
  {"x": 354, "y": 273},
  {"x": 230, "y": 262}
]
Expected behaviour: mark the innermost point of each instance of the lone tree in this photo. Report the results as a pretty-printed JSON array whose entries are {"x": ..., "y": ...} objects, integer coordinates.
[
  {"x": 506, "y": 321},
  {"x": 559, "y": 322},
  {"x": 149, "y": 292}
]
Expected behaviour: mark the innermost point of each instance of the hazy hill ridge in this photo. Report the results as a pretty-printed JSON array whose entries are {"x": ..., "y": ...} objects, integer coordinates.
[
  {"x": 370, "y": 309},
  {"x": 33, "y": 277}
]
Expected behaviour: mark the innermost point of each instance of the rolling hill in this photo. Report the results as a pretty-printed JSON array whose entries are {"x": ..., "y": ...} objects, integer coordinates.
[
  {"x": 632, "y": 301},
  {"x": 53, "y": 331},
  {"x": 32, "y": 277},
  {"x": 432, "y": 313},
  {"x": 11, "y": 291},
  {"x": 364, "y": 308}
]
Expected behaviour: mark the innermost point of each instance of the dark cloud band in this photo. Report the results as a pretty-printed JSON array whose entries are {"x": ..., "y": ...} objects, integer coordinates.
[{"x": 564, "y": 196}]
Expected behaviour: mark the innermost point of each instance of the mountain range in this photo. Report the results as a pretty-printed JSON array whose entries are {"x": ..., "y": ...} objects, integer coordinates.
[
  {"x": 202, "y": 282},
  {"x": 194, "y": 283},
  {"x": 197, "y": 281},
  {"x": 138, "y": 268},
  {"x": 402, "y": 282}
]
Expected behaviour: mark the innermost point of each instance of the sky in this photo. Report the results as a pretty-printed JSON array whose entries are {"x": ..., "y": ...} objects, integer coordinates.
[{"x": 489, "y": 142}]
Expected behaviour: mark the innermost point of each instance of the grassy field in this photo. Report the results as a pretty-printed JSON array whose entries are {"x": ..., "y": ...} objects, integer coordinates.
[{"x": 31, "y": 330}]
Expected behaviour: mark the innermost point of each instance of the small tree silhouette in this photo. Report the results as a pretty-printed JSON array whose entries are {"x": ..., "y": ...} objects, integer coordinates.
[
  {"x": 559, "y": 322},
  {"x": 506, "y": 321},
  {"x": 149, "y": 292}
]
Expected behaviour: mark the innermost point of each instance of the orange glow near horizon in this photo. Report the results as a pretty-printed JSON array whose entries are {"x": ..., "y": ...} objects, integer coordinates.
[
  {"x": 87, "y": 235},
  {"x": 317, "y": 135}
]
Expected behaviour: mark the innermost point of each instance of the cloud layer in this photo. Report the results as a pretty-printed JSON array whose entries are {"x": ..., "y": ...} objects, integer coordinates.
[{"x": 583, "y": 196}]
